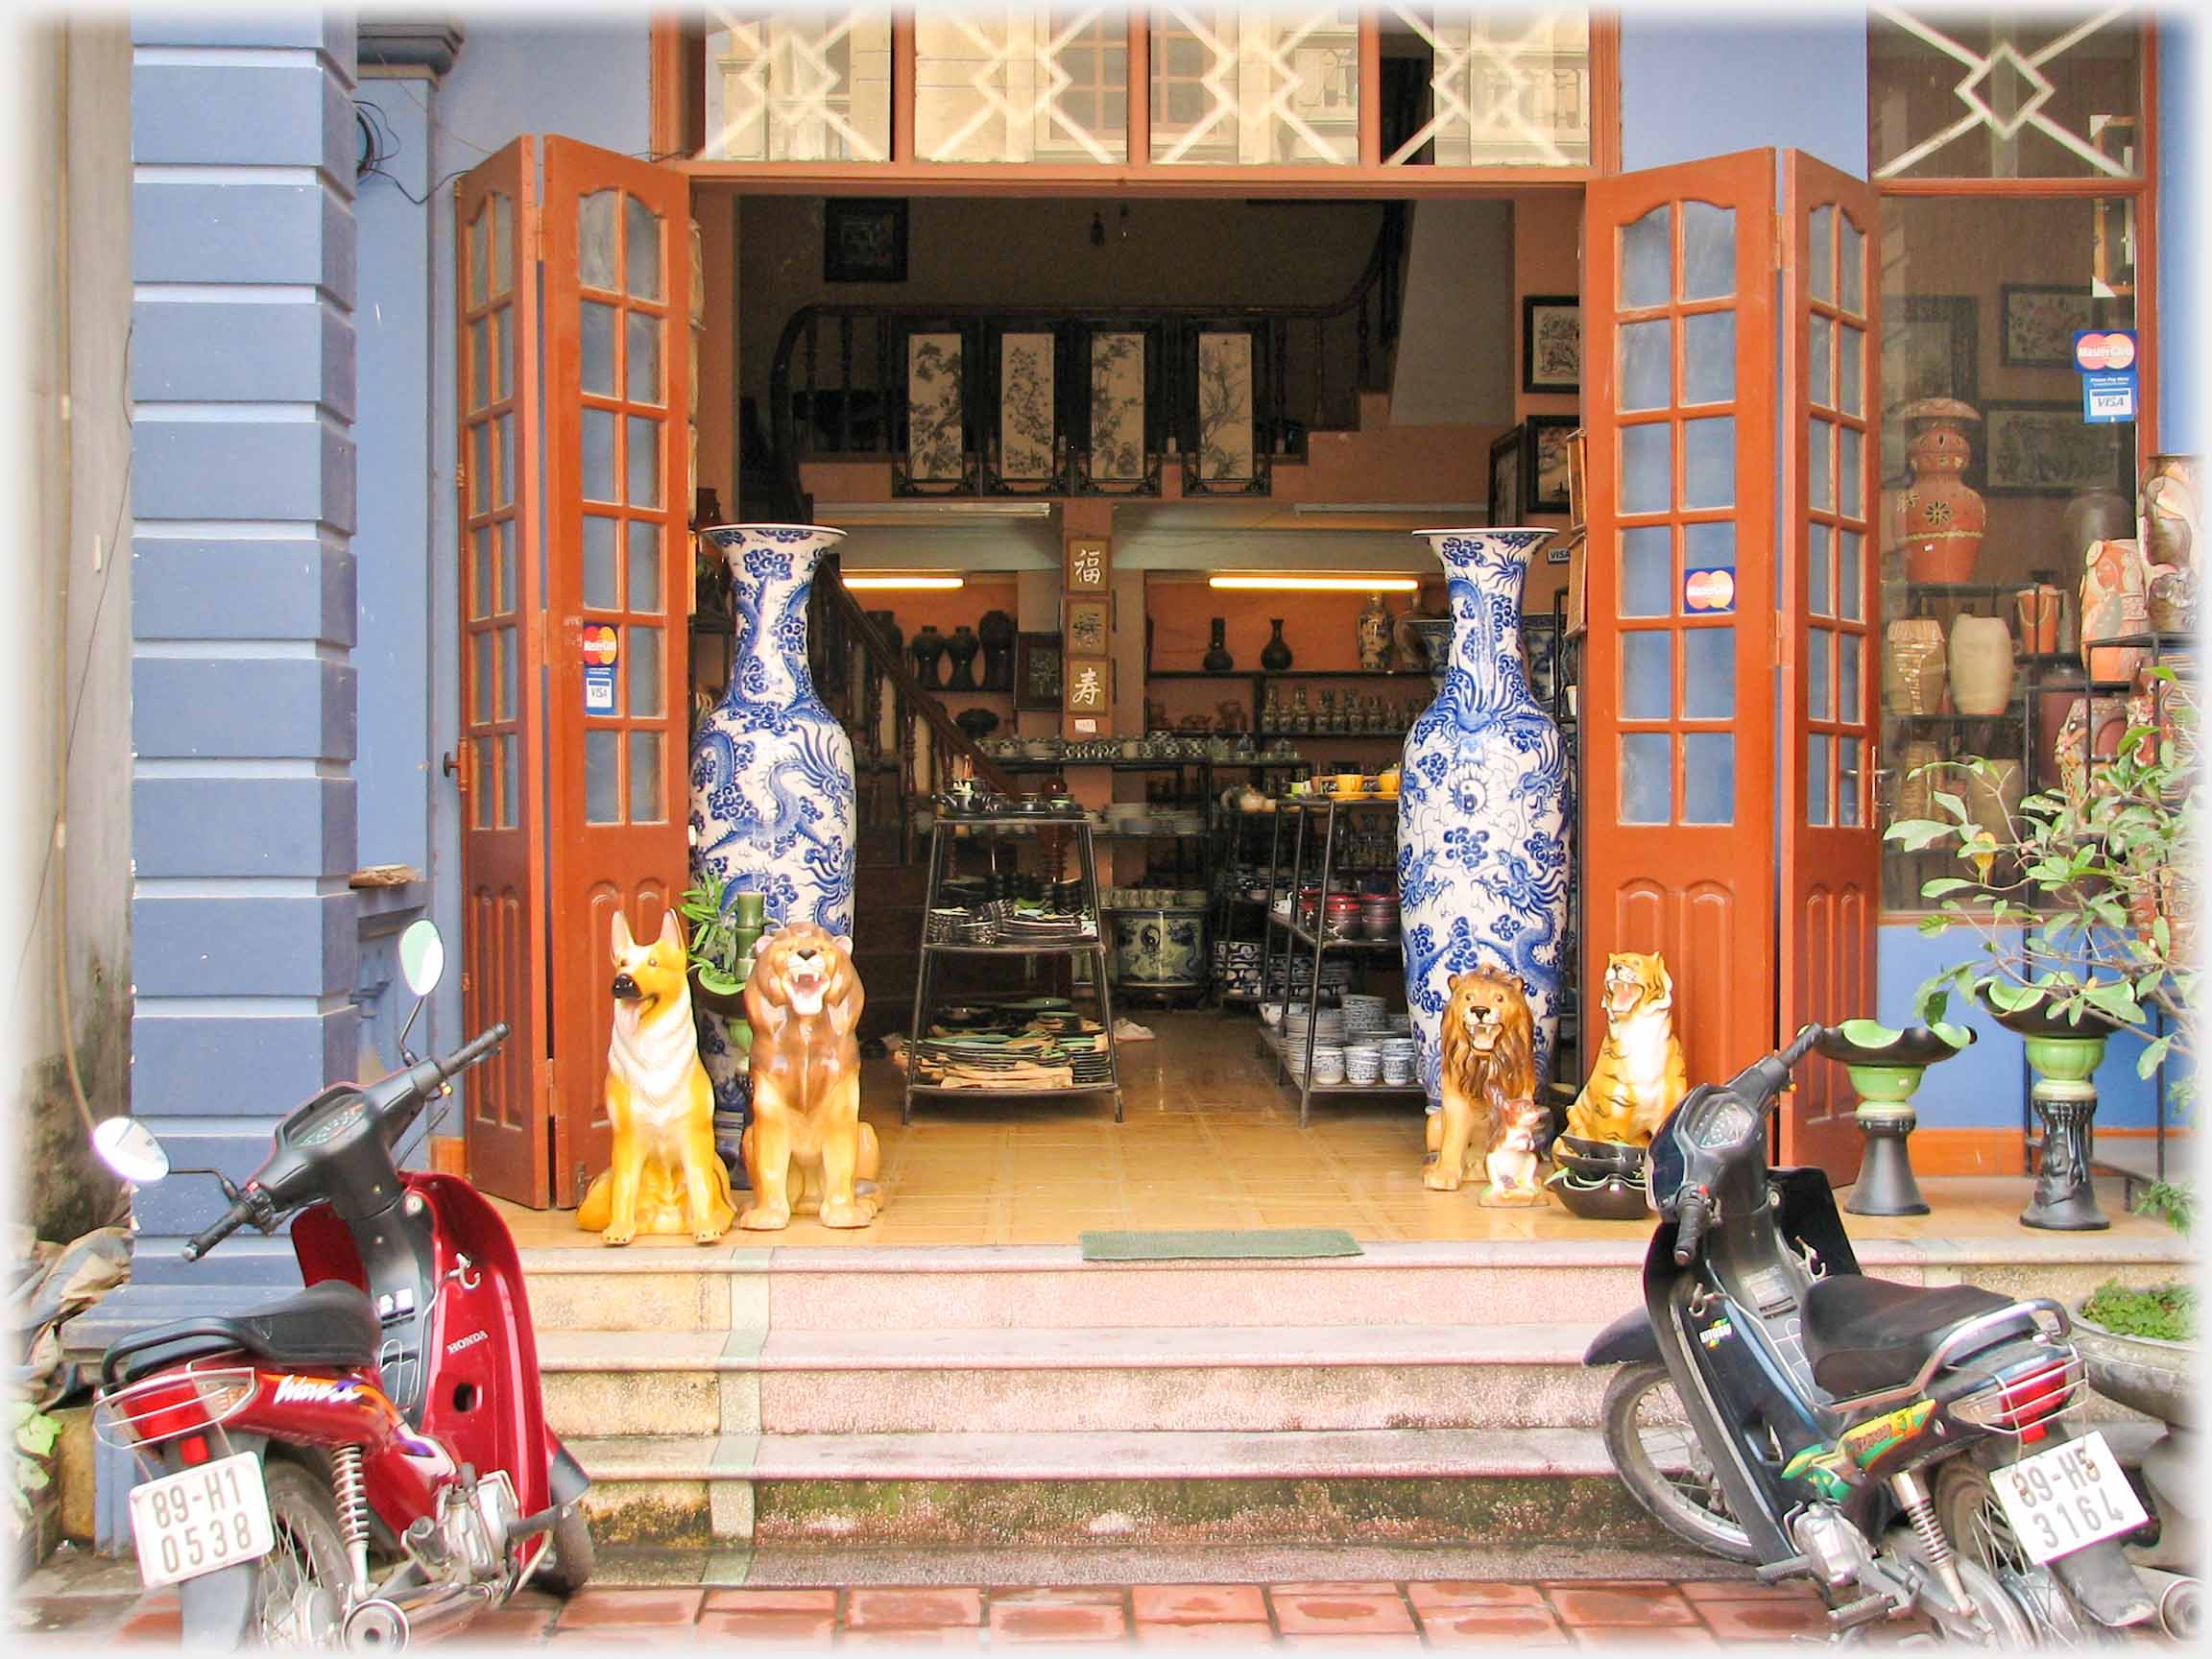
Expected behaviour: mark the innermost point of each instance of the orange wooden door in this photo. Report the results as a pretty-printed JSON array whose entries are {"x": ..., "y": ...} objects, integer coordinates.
[
  {"x": 499, "y": 768},
  {"x": 617, "y": 253},
  {"x": 1678, "y": 705},
  {"x": 1831, "y": 847}
]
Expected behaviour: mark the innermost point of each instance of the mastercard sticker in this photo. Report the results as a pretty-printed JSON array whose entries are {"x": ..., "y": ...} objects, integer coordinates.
[
  {"x": 1708, "y": 590},
  {"x": 600, "y": 648}
]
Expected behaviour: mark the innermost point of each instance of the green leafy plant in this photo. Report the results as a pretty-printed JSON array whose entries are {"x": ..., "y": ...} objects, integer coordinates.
[
  {"x": 34, "y": 1436},
  {"x": 715, "y": 954},
  {"x": 2164, "y": 1312},
  {"x": 2079, "y": 897}
]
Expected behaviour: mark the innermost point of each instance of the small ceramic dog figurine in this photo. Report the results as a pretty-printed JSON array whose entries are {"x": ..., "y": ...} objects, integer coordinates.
[
  {"x": 665, "y": 1177},
  {"x": 1514, "y": 1154},
  {"x": 1640, "y": 1076},
  {"x": 806, "y": 1149},
  {"x": 1488, "y": 1046}
]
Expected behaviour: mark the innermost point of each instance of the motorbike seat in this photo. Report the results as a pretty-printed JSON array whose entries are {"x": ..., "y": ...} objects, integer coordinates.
[
  {"x": 330, "y": 1324},
  {"x": 1863, "y": 1335}
]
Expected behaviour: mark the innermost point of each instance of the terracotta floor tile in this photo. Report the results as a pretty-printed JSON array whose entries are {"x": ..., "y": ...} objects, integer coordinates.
[
  {"x": 600, "y": 1636},
  {"x": 1345, "y": 1613},
  {"x": 1334, "y": 1587},
  {"x": 913, "y": 1608},
  {"x": 1481, "y": 1627},
  {"x": 1764, "y": 1621},
  {"x": 1639, "y": 1637},
  {"x": 1404, "y": 1641},
  {"x": 1446, "y": 1593},
  {"x": 771, "y": 1598},
  {"x": 1017, "y": 1622},
  {"x": 1212, "y": 1635},
  {"x": 1057, "y": 1594},
  {"x": 925, "y": 1636},
  {"x": 1701, "y": 1590},
  {"x": 809, "y": 1629},
  {"x": 1637, "y": 1606},
  {"x": 1199, "y": 1603},
  {"x": 597, "y": 1608},
  {"x": 510, "y": 1624}
]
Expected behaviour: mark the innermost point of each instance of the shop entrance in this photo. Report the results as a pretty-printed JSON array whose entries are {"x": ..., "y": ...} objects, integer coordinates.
[{"x": 1722, "y": 687}]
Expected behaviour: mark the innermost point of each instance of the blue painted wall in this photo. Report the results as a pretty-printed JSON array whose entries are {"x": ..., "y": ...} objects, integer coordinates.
[
  {"x": 2181, "y": 229},
  {"x": 1703, "y": 84}
]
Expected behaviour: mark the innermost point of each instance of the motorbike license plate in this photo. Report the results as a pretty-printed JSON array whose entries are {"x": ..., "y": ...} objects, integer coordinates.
[
  {"x": 2067, "y": 1498},
  {"x": 201, "y": 1521}
]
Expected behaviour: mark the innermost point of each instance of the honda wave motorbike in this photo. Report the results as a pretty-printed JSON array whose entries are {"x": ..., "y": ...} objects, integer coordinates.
[
  {"x": 366, "y": 1461},
  {"x": 1901, "y": 1447}
]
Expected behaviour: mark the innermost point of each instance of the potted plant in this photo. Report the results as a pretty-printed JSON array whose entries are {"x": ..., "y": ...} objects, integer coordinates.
[{"x": 721, "y": 946}]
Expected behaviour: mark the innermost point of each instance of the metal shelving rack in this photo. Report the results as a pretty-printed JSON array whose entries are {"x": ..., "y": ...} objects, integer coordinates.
[
  {"x": 999, "y": 832},
  {"x": 1315, "y": 939}
]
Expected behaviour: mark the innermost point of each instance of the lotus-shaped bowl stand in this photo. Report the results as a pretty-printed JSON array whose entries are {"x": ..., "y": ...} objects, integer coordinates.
[
  {"x": 1885, "y": 1065},
  {"x": 2064, "y": 1051}
]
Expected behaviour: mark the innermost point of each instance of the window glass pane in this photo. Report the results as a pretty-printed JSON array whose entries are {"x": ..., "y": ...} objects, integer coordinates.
[
  {"x": 602, "y": 776},
  {"x": 596, "y": 239},
  {"x": 510, "y": 780},
  {"x": 641, "y": 369},
  {"x": 644, "y": 654},
  {"x": 641, "y": 248},
  {"x": 1708, "y": 250},
  {"x": 510, "y": 673},
  {"x": 484, "y": 676},
  {"x": 480, "y": 467},
  {"x": 1818, "y": 745},
  {"x": 1018, "y": 86},
  {"x": 2004, "y": 92},
  {"x": 1820, "y": 355},
  {"x": 1648, "y": 364},
  {"x": 502, "y": 243},
  {"x": 1647, "y": 777},
  {"x": 1851, "y": 578},
  {"x": 479, "y": 363},
  {"x": 479, "y": 255},
  {"x": 508, "y": 598},
  {"x": 1498, "y": 88},
  {"x": 1709, "y": 357},
  {"x": 1708, "y": 778},
  {"x": 1646, "y": 469},
  {"x": 597, "y": 348},
  {"x": 599, "y": 593},
  {"x": 1647, "y": 674},
  {"x": 1648, "y": 260},
  {"x": 1850, "y": 472},
  {"x": 1853, "y": 296},
  {"x": 504, "y": 496},
  {"x": 1709, "y": 546},
  {"x": 1819, "y": 687},
  {"x": 1820, "y": 465},
  {"x": 1849, "y": 649},
  {"x": 1820, "y": 261},
  {"x": 1850, "y": 784},
  {"x": 646, "y": 806},
  {"x": 643, "y": 437},
  {"x": 1818, "y": 536},
  {"x": 1253, "y": 88},
  {"x": 1709, "y": 462},
  {"x": 598, "y": 447},
  {"x": 1851, "y": 369},
  {"x": 485, "y": 782},
  {"x": 643, "y": 592},
  {"x": 1709, "y": 673},
  {"x": 503, "y": 325},
  {"x": 484, "y": 590},
  {"x": 799, "y": 83},
  {"x": 1648, "y": 571}
]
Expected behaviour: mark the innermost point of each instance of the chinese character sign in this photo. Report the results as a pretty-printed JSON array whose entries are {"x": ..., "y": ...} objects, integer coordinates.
[
  {"x": 1088, "y": 684},
  {"x": 1086, "y": 566}
]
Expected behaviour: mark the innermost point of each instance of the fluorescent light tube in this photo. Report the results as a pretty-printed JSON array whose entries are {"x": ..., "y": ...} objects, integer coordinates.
[
  {"x": 1292, "y": 583},
  {"x": 881, "y": 581}
]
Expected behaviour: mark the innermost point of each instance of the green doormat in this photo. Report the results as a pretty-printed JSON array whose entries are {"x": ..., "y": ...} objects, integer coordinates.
[{"x": 1224, "y": 1244}]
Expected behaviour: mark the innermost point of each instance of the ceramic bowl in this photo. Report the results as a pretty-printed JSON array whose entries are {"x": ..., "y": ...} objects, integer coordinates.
[{"x": 1610, "y": 1198}]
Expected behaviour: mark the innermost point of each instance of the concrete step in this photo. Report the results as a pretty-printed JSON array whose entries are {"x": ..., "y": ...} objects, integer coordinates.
[
  {"x": 1180, "y": 1379},
  {"x": 1403, "y": 1486}
]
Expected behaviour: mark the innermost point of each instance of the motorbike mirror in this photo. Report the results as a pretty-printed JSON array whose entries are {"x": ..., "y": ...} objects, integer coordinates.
[
  {"x": 131, "y": 1149},
  {"x": 422, "y": 957}
]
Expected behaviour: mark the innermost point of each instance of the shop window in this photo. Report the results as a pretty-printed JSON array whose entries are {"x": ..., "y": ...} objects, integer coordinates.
[
  {"x": 1022, "y": 84},
  {"x": 2010, "y": 93},
  {"x": 1488, "y": 88},
  {"x": 1233, "y": 87},
  {"x": 798, "y": 86}
]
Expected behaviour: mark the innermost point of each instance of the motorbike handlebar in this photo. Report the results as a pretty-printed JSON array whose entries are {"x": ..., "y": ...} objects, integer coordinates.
[
  {"x": 240, "y": 1213},
  {"x": 471, "y": 1051},
  {"x": 1695, "y": 1212}
]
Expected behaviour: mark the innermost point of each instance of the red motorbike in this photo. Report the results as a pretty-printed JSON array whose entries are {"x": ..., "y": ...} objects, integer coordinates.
[{"x": 367, "y": 1462}]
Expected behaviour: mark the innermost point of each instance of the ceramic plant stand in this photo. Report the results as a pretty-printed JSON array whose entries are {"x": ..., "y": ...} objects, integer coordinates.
[
  {"x": 2064, "y": 1054},
  {"x": 1481, "y": 844},
  {"x": 772, "y": 798},
  {"x": 1886, "y": 1066}
]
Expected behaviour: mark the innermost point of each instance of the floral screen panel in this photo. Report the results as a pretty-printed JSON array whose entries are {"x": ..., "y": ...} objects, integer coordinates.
[
  {"x": 1225, "y": 450},
  {"x": 1028, "y": 428},
  {"x": 1118, "y": 455},
  {"x": 1503, "y": 88},
  {"x": 936, "y": 453},
  {"x": 798, "y": 86},
  {"x": 1247, "y": 87},
  {"x": 2012, "y": 93},
  {"x": 1022, "y": 84}
]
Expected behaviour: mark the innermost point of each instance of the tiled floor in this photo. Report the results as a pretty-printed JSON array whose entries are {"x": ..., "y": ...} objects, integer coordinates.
[
  {"x": 1328, "y": 1615},
  {"x": 1210, "y": 1140}
]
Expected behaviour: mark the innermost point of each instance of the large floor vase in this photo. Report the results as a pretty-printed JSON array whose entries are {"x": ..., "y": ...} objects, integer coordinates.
[
  {"x": 771, "y": 769},
  {"x": 1481, "y": 837}
]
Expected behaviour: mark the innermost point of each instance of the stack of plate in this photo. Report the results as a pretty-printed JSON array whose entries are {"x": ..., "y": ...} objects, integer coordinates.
[
  {"x": 1044, "y": 927},
  {"x": 953, "y": 925},
  {"x": 1328, "y": 1026},
  {"x": 1363, "y": 1014}
]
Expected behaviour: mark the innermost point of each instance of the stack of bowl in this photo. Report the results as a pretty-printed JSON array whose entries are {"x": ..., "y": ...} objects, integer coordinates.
[
  {"x": 1343, "y": 917},
  {"x": 1328, "y": 1064},
  {"x": 1378, "y": 915},
  {"x": 1364, "y": 1014},
  {"x": 1400, "y": 1057},
  {"x": 1362, "y": 1063}
]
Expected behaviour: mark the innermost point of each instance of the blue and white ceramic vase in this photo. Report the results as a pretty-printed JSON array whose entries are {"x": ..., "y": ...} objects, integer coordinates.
[
  {"x": 771, "y": 768},
  {"x": 1481, "y": 815}
]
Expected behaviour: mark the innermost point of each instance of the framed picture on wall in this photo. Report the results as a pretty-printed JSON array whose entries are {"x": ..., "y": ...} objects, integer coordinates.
[
  {"x": 1545, "y": 450},
  {"x": 2038, "y": 320},
  {"x": 1037, "y": 658},
  {"x": 1505, "y": 478},
  {"x": 2046, "y": 448},
  {"x": 1551, "y": 342},
  {"x": 864, "y": 239},
  {"x": 1087, "y": 628}
]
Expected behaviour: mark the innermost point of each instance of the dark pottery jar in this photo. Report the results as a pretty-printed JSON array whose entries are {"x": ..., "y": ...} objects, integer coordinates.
[
  {"x": 1217, "y": 660},
  {"x": 929, "y": 650},
  {"x": 962, "y": 648},
  {"x": 1275, "y": 655},
  {"x": 997, "y": 631}
]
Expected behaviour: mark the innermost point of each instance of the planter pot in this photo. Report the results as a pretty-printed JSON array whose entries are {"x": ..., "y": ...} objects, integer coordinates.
[
  {"x": 1939, "y": 519},
  {"x": 772, "y": 797},
  {"x": 1482, "y": 845},
  {"x": 1981, "y": 664},
  {"x": 2141, "y": 1373}
]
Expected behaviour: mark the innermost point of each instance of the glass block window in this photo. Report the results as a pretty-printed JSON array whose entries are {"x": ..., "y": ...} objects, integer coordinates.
[
  {"x": 1237, "y": 87},
  {"x": 1022, "y": 84},
  {"x": 798, "y": 86},
  {"x": 2021, "y": 92},
  {"x": 1486, "y": 88}
]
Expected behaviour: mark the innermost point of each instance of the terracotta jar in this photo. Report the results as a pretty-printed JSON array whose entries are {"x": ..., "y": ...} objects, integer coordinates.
[
  {"x": 1916, "y": 795},
  {"x": 1993, "y": 798},
  {"x": 1939, "y": 519},
  {"x": 1913, "y": 666},
  {"x": 2113, "y": 605},
  {"x": 2170, "y": 510},
  {"x": 2035, "y": 611},
  {"x": 1981, "y": 664},
  {"x": 2095, "y": 515},
  {"x": 2171, "y": 600}
]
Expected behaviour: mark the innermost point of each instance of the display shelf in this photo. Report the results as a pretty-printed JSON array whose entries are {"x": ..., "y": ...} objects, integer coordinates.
[
  {"x": 1270, "y": 762},
  {"x": 1293, "y": 673},
  {"x": 1046, "y": 1092},
  {"x": 1305, "y": 935},
  {"x": 956, "y": 947},
  {"x": 1272, "y": 1039},
  {"x": 1397, "y": 736}
]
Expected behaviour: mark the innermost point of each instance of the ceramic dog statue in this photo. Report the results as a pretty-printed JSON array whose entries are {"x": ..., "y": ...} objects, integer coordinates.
[
  {"x": 665, "y": 1177},
  {"x": 1488, "y": 1046},
  {"x": 1514, "y": 1154},
  {"x": 806, "y": 1149},
  {"x": 1640, "y": 1076}
]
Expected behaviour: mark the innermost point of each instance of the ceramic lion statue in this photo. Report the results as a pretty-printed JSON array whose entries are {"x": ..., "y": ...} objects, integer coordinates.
[
  {"x": 1488, "y": 1053},
  {"x": 1640, "y": 1074},
  {"x": 806, "y": 1149}
]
